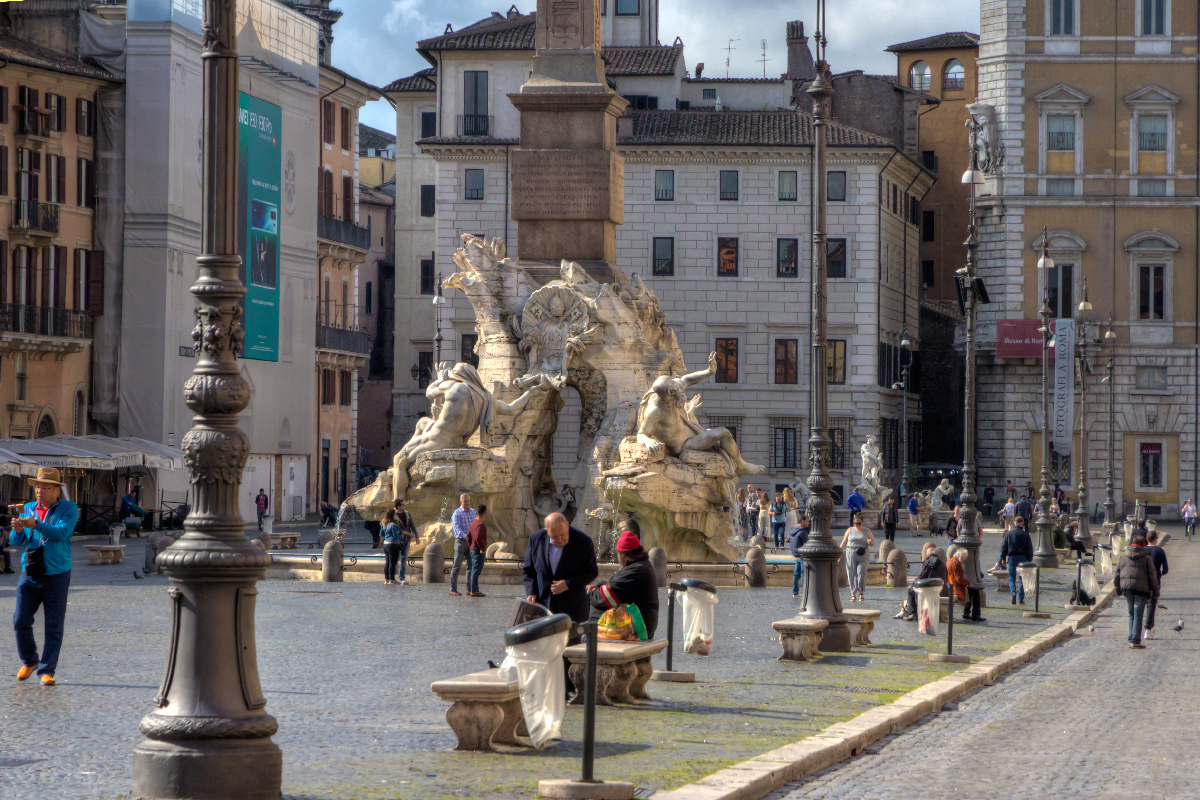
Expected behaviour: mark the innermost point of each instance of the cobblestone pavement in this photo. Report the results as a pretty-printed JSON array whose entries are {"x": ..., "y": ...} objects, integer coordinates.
[
  {"x": 346, "y": 669},
  {"x": 1088, "y": 719}
]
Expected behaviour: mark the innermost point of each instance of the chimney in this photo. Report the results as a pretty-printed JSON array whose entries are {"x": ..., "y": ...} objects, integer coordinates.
[
  {"x": 699, "y": 70},
  {"x": 513, "y": 13},
  {"x": 800, "y": 60}
]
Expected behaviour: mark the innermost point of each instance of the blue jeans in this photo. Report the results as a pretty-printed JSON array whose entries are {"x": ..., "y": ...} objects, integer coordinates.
[
  {"x": 797, "y": 577},
  {"x": 403, "y": 562},
  {"x": 476, "y": 567},
  {"x": 1137, "y": 609},
  {"x": 461, "y": 552},
  {"x": 777, "y": 532},
  {"x": 51, "y": 593},
  {"x": 1015, "y": 585}
]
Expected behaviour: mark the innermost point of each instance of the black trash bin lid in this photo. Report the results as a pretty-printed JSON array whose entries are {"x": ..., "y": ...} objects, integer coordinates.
[
  {"x": 1104, "y": 546},
  {"x": 925, "y": 583},
  {"x": 536, "y": 629},
  {"x": 696, "y": 583}
]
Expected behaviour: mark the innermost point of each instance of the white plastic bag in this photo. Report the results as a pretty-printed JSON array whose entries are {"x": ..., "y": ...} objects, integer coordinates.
[
  {"x": 537, "y": 667},
  {"x": 1105, "y": 561},
  {"x": 929, "y": 601},
  {"x": 699, "y": 620},
  {"x": 1028, "y": 574},
  {"x": 1090, "y": 585}
]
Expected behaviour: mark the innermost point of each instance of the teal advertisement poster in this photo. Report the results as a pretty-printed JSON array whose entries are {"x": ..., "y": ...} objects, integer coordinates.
[{"x": 259, "y": 166}]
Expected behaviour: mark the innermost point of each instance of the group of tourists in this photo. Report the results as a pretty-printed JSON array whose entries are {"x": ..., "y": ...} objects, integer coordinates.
[{"x": 758, "y": 514}]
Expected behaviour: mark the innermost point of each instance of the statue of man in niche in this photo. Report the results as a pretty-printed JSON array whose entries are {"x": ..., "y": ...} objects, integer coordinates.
[
  {"x": 461, "y": 405},
  {"x": 663, "y": 422}
]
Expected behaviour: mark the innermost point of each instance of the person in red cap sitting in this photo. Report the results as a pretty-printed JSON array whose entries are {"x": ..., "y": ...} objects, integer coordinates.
[{"x": 635, "y": 582}]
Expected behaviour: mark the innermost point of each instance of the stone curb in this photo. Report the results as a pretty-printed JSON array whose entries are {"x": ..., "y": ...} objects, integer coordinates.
[{"x": 752, "y": 779}]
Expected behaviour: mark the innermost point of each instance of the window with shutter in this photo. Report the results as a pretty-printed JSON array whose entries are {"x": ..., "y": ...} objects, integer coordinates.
[
  {"x": 3, "y": 271},
  {"x": 78, "y": 278},
  {"x": 327, "y": 121},
  {"x": 3, "y": 104},
  {"x": 95, "y": 283},
  {"x": 4, "y": 170},
  {"x": 60, "y": 276},
  {"x": 47, "y": 270},
  {"x": 346, "y": 140},
  {"x": 347, "y": 199}
]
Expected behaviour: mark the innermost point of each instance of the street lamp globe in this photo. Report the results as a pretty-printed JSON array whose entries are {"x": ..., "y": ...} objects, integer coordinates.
[
  {"x": 974, "y": 176},
  {"x": 1045, "y": 262}
]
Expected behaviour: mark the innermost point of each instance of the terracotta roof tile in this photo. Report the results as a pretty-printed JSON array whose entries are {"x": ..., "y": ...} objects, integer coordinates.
[
  {"x": 747, "y": 128},
  {"x": 494, "y": 33},
  {"x": 943, "y": 41},
  {"x": 374, "y": 139},
  {"x": 653, "y": 60},
  {"x": 734, "y": 80},
  {"x": 418, "y": 82}
]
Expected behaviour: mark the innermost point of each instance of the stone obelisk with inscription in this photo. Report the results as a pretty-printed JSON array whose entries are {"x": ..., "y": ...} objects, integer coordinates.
[{"x": 568, "y": 182}]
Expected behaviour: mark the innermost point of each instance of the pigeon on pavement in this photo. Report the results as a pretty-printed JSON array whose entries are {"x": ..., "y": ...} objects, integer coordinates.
[
  {"x": 1178, "y": 626},
  {"x": 137, "y": 577}
]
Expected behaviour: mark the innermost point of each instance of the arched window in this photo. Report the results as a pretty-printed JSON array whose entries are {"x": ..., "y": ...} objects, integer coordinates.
[
  {"x": 918, "y": 76},
  {"x": 953, "y": 76},
  {"x": 45, "y": 428}
]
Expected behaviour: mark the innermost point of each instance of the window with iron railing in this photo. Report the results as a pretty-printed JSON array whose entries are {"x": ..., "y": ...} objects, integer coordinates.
[
  {"x": 473, "y": 184},
  {"x": 787, "y": 258},
  {"x": 953, "y": 76},
  {"x": 664, "y": 184},
  {"x": 783, "y": 441},
  {"x": 787, "y": 185},
  {"x": 664, "y": 256},
  {"x": 729, "y": 184},
  {"x": 1152, "y": 133},
  {"x": 1060, "y": 133}
]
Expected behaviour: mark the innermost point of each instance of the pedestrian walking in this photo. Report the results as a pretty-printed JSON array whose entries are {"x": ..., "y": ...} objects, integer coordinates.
[
  {"x": 464, "y": 515},
  {"x": 1008, "y": 514},
  {"x": 1010, "y": 491},
  {"x": 261, "y": 504},
  {"x": 751, "y": 510},
  {"x": 1025, "y": 512},
  {"x": 989, "y": 501},
  {"x": 856, "y": 541},
  {"x": 914, "y": 515},
  {"x": 778, "y": 519},
  {"x": 390, "y": 533},
  {"x": 792, "y": 518},
  {"x": 1189, "y": 518},
  {"x": 855, "y": 502},
  {"x": 477, "y": 540},
  {"x": 797, "y": 538},
  {"x": 1158, "y": 557},
  {"x": 1015, "y": 549},
  {"x": 1137, "y": 580},
  {"x": 952, "y": 524},
  {"x": 408, "y": 530},
  {"x": 764, "y": 513},
  {"x": 891, "y": 518},
  {"x": 44, "y": 529}
]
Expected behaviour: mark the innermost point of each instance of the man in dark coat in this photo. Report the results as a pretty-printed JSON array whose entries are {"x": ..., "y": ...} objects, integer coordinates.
[
  {"x": 1025, "y": 512},
  {"x": 634, "y": 583},
  {"x": 1137, "y": 580},
  {"x": 1016, "y": 549},
  {"x": 560, "y": 563},
  {"x": 891, "y": 518}
]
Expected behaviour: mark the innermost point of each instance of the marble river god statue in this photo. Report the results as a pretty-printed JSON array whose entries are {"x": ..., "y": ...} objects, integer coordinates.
[{"x": 640, "y": 450}]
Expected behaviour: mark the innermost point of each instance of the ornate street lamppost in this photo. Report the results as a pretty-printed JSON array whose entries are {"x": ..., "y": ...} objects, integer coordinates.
[
  {"x": 439, "y": 300},
  {"x": 971, "y": 290},
  {"x": 209, "y": 736},
  {"x": 1044, "y": 555},
  {"x": 1110, "y": 504},
  {"x": 902, "y": 385},
  {"x": 1081, "y": 513},
  {"x": 821, "y": 553}
]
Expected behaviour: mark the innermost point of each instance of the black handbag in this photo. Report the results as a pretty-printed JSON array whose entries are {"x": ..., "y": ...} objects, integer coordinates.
[
  {"x": 35, "y": 562},
  {"x": 862, "y": 551}
]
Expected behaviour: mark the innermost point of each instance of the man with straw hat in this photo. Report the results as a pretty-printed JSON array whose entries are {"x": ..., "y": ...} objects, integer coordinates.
[{"x": 44, "y": 528}]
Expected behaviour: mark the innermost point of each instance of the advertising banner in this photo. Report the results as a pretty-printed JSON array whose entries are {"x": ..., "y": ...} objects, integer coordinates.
[
  {"x": 1018, "y": 338},
  {"x": 260, "y": 162},
  {"x": 1062, "y": 408}
]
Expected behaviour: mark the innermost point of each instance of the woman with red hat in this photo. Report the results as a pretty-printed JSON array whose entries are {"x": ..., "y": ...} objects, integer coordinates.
[{"x": 634, "y": 583}]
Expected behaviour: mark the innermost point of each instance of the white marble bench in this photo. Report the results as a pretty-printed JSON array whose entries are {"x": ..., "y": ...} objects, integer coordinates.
[
  {"x": 862, "y": 622},
  {"x": 800, "y": 637},
  {"x": 485, "y": 710},
  {"x": 622, "y": 670},
  {"x": 105, "y": 553},
  {"x": 284, "y": 541}
]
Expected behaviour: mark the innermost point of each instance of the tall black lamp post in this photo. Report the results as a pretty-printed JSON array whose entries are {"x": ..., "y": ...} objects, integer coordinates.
[
  {"x": 439, "y": 300},
  {"x": 902, "y": 385},
  {"x": 1044, "y": 555},
  {"x": 1081, "y": 513},
  {"x": 821, "y": 553},
  {"x": 1110, "y": 504},
  {"x": 209, "y": 735}
]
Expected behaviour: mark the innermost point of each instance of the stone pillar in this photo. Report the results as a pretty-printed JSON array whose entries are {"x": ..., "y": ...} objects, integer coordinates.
[
  {"x": 658, "y": 560},
  {"x": 756, "y": 568},
  {"x": 568, "y": 181},
  {"x": 332, "y": 564},
  {"x": 433, "y": 563}
]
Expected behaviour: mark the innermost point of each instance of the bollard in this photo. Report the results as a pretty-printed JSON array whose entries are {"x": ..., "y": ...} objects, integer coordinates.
[
  {"x": 669, "y": 674},
  {"x": 897, "y": 568},
  {"x": 155, "y": 545},
  {"x": 1037, "y": 613},
  {"x": 433, "y": 563},
  {"x": 756, "y": 568},
  {"x": 658, "y": 560},
  {"x": 948, "y": 657},
  {"x": 331, "y": 562},
  {"x": 265, "y": 538},
  {"x": 587, "y": 787},
  {"x": 324, "y": 538}
]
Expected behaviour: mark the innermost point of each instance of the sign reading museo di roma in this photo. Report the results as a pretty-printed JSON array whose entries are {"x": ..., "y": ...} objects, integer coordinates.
[{"x": 260, "y": 125}]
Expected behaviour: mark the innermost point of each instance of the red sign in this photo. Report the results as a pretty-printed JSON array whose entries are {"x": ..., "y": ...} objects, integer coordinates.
[
  {"x": 1152, "y": 448},
  {"x": 1020, "y": 338}
]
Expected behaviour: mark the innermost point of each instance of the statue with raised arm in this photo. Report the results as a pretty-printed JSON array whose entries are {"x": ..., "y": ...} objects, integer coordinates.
[
  {"x": 663, "y": 422},
  {"x": 460, "y": 405},
  {"x": 872, "y": 467}
]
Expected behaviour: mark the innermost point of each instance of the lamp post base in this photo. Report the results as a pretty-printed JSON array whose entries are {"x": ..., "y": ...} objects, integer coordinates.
[
  {"x": 207, "y": 769},
  {"x": 1046, "y": 561},
  {"x": 1036, "y": 615}
]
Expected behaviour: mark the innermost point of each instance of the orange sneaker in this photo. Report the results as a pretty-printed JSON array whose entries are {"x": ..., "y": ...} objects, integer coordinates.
[
  {"x": 47, "y": 680},
  {"x": 24, "y": 672}
]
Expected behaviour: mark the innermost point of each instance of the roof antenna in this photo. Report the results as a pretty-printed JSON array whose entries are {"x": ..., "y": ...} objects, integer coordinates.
[
  {"x": 764, "y": 58},
  {"x": 449, "y": 29},
  {"x": 728, "y": 51}
]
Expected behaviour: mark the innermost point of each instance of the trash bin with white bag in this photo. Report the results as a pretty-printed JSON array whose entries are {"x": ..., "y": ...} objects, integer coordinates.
[
  {"x": 929, "y": 604},
  {"x": 535, "y": 662},
  {"x": 699, "y": 616}
]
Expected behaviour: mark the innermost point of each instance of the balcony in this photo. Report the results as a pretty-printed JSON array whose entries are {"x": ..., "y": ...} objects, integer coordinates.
[
  {"x": 45, "y": 321},
  {"x": 32, "y": 123},
  {"x": 35, "y": 218},
  {"x": 474, "y": 125},
  {"x": 343, "y": 339},
  {"x": 347, "y": 233}
]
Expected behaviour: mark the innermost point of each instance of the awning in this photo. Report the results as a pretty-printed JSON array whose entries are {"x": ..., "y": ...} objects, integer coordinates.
[
  {"x": 16, "y": 465},
  {"x": 90, "y": 452}
]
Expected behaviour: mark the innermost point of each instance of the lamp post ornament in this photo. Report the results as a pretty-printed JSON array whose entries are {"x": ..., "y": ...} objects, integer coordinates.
[
  {"x": 209, "y": 735},
  {"x": 1081, "y": 513},
  {"x": 1110, "y": 504},
  {"x": 821, "y": 553},
  {"x": 1044, "y": 555}
]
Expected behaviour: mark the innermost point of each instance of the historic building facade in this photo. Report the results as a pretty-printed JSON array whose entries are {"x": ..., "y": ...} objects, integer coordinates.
[{"x": 1096, "y": 111}]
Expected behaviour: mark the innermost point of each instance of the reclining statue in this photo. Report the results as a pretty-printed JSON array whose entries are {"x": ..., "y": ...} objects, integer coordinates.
[
  {"x": 460, "y": 406},
  {"x": 663, "y": 422}
]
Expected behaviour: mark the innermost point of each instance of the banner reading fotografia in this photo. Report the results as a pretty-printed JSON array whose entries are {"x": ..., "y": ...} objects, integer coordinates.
[{"x": 259, "y": 167}]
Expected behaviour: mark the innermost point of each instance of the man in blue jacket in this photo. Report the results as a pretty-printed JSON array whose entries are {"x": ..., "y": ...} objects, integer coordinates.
[
  {"x": 798, "y": 537},
  {"x": 855, "y": 503},
  {"x": 44, "y": 528},
  {"x": 1016, "y": 549}
]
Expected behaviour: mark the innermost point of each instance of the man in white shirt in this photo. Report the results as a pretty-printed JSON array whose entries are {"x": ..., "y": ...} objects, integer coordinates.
[{"x": 464, "y": 515}]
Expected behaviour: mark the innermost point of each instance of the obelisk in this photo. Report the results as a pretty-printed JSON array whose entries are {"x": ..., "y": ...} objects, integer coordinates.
[{"x": 568, "y": 182}]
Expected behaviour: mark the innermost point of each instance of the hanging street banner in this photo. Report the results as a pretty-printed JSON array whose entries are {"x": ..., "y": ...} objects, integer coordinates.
[
  {"x": 260, "y": 127},
  {"x": 1062, "y": 421}
]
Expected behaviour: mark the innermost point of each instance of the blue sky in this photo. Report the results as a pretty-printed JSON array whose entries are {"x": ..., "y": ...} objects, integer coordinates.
[{"x": 374, "y": 39}]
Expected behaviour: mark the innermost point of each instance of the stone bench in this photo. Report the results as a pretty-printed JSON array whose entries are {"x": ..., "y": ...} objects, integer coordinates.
[
  {"x": 622, "y": 670},
  {"x": 800, "y": 637},
  {"x": 485, "y": 710},
  {"x": 862, "y": 622},
  {"x": 284, "y": 541},
  {"x": 105, "y": 553},
  {"x": 1001, "y": 576}
]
